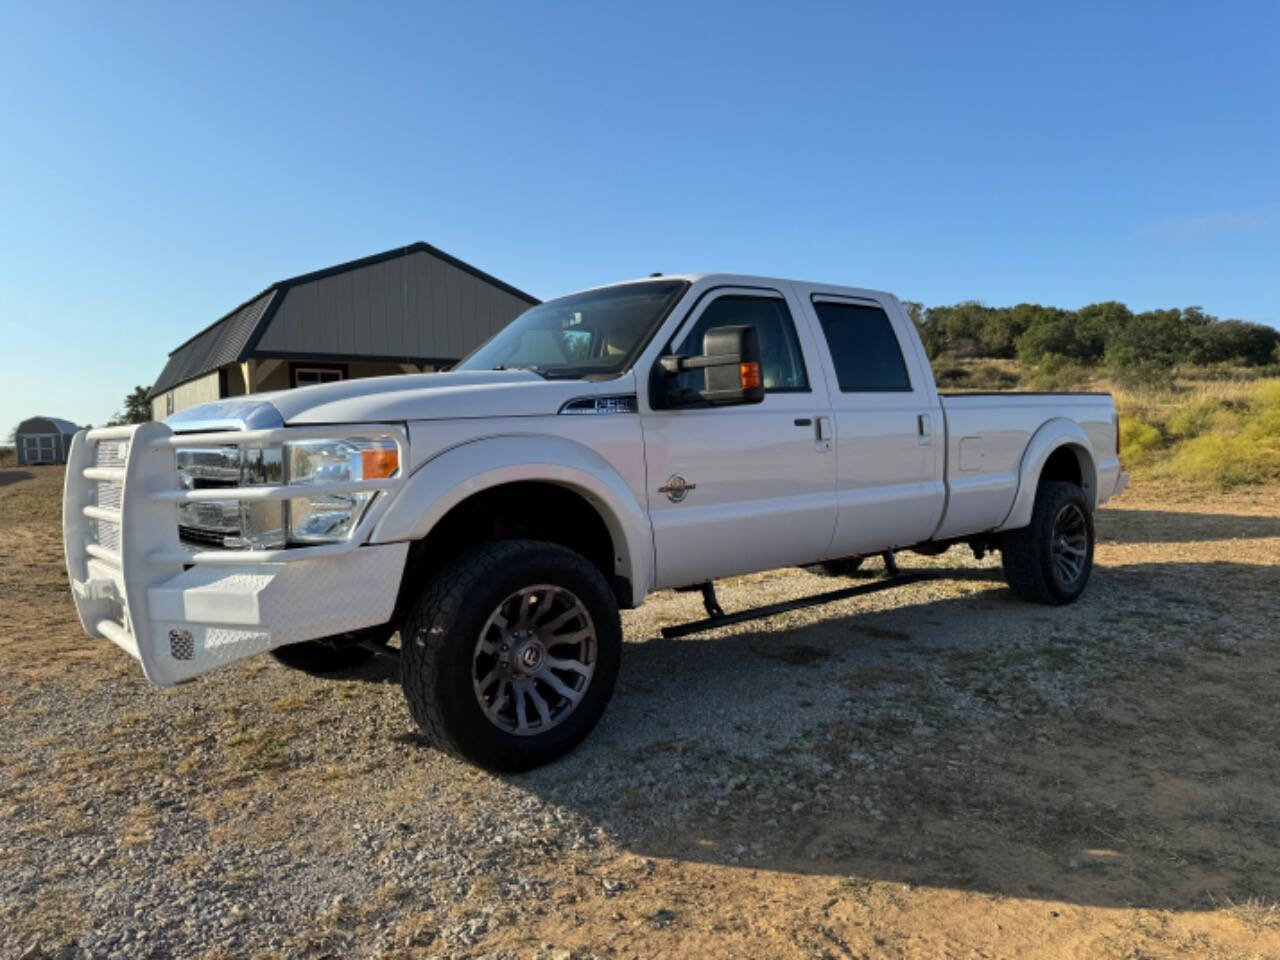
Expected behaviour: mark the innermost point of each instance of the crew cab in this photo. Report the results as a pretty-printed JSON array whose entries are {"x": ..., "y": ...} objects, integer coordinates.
[{"x": 652, "y": 434}]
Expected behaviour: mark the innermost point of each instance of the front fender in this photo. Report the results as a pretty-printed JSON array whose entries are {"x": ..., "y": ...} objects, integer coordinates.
[
  {"x": 1055, "y": 433},
  {"x": 441, "y": 483}
]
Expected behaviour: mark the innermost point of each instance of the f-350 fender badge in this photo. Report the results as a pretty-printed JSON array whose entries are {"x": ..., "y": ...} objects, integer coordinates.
[{"x": 677, "y": 488}]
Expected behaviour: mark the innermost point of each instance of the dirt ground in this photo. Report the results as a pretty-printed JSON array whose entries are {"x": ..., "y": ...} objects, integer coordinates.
[{"x": 933, "y": 771}]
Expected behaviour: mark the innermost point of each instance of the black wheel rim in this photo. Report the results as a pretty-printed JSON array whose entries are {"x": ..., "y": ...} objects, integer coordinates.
[{"x": 1070, "y": 544}]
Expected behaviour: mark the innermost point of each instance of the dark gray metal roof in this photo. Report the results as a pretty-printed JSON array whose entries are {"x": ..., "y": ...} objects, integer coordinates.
[
  {"x": 222, "y": 343},
  {"x": 412, "y": 304},
  {"x": 46, "y": 425}
]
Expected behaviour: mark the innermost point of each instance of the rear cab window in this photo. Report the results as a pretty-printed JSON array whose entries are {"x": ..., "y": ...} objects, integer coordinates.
[{"x": 864, "y": 349}]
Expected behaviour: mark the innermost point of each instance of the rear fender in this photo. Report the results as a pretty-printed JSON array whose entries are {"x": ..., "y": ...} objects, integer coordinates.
[
  {"x": 1056, "y": 433},
  {"x": 441, "y": 483}
]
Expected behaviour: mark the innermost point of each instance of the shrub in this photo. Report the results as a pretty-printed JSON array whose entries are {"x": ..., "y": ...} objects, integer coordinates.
[
  {"x": 1224, "y": 459},
  {"x": 1194, "y": 417},
  {"x": 1056, "y": 372},
  {"x": 1227, "y": 442},
  {"x": 1140, "y": 441}
]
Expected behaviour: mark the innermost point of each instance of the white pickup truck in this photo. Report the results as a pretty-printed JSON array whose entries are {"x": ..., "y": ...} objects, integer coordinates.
[{"x": 646, "y": 435}]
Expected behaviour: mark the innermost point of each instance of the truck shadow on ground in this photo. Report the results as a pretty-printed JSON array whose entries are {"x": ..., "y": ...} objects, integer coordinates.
[
  {"x": 1116, "y": 752},
  {"x": 1166, "y": 526},
  {"x": 14, "y": 476}
]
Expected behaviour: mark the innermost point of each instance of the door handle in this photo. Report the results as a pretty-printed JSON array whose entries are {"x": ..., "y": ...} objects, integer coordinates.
[
  {"x": 822, "y": 433},
  {"x": 923, "y": 429},
  {"x": 803, "y": 422}
]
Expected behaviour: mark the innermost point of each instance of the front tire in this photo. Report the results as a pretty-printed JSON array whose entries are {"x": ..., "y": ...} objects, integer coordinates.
[
  {"x": 1049, "y": 560},
  {"x": 510, "y": 656}
]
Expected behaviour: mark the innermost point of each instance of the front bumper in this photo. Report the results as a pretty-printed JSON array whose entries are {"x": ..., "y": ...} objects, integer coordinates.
[{"x": 181, "y": 612}]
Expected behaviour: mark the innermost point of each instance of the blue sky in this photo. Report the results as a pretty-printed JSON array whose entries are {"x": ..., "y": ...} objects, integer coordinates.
[{"x": 163, "y": 162}]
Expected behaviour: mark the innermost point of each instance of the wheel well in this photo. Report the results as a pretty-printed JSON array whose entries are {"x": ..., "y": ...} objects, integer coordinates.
[
  {"x": 528, "y": 510},
  {"x": 1069, "y": 464}
]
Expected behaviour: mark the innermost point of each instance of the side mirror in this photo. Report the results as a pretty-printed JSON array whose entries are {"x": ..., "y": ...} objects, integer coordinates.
[{"x": 731, "y": 361}]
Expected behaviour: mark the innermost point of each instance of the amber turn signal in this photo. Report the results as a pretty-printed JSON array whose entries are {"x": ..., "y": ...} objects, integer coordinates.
[
  {"x": 749, "y": 374},
  {"x": 378, "y": 464}
]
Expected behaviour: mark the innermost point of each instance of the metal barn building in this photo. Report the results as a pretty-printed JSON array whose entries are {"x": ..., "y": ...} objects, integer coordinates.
[
  {"x": 43, "y": 440},
  {"x": 410, "y": 310}
]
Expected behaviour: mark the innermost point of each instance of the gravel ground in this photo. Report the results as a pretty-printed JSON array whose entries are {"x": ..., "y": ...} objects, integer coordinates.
[{"x": 934, "y": 770}]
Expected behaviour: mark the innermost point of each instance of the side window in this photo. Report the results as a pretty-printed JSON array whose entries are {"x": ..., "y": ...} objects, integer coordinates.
[
  {"x": 310, "y": 376},
  {"x": 864, "y": 348},
  {"x": 782, "y": 364}
]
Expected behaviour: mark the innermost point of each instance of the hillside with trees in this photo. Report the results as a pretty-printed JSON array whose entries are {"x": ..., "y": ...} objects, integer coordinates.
[
  {"x": 1053, "y": 347},
  {"x": 1199, "y": 397}
]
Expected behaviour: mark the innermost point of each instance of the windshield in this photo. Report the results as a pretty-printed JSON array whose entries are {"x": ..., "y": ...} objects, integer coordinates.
[{"x": 597, "y": 333}]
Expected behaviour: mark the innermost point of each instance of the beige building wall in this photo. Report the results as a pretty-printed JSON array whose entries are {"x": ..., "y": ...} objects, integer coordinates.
[
  {"x": 263, "y": 375},
  {"x": 185, "y": 395}
]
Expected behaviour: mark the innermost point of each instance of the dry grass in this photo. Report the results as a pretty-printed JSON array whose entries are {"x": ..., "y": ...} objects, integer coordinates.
[
  {"x": 1221, "y": 433},
  {"x": 1216, "y": 429},
  {"x": 998, "y": 779}
]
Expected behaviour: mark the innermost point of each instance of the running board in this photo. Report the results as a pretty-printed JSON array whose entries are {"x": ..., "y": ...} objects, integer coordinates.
[{"x": 813, "y": 600}]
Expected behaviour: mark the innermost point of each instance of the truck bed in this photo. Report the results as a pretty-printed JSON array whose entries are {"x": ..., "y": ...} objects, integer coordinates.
[{"x": 988, "y": 434}]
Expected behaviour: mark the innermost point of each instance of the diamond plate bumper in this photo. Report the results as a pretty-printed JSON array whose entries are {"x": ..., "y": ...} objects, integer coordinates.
[{"x": 182, "y": 613}]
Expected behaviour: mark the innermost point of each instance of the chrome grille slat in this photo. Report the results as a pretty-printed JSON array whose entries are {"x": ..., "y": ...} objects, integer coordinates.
[
  {"x": 109, "y": 494},
  {"x": 110, "y": 453}
]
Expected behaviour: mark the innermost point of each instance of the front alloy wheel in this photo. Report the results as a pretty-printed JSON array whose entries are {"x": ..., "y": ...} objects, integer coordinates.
[
  {"x": 534, "y": 659},
  {"x": 510, "y": 655}
]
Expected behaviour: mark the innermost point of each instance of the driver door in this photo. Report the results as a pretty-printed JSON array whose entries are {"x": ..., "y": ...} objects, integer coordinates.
[{"x": 747, "y": 487}]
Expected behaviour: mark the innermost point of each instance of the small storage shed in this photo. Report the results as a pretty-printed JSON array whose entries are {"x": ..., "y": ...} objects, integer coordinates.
[{"x": 43, "y": 440}]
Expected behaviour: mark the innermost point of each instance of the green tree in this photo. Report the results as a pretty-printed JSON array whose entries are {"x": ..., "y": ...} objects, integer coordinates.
[
  {"x": 1148, "y": 348},
  {"x": 1052, "y": 333},
  {"x": 1233, "y": 341},
  {"x": 1098, "y": 321},
  {"x": 137, "y": 408}
]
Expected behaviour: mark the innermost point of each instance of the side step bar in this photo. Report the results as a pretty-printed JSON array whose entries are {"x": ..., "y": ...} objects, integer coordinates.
[{"x": 754, "y": 613}]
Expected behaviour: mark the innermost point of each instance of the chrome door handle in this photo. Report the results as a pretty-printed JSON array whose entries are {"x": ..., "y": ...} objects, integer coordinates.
[
  {"x": 822, "y": 434},
  {"x": 923, "y": 429}
]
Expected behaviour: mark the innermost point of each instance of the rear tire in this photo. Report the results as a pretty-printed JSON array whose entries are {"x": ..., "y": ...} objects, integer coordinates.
[
  {"x": 510, "y": 656},
  {"x": 1049, "y": 560},
  {"x": 841, "y": 567}
]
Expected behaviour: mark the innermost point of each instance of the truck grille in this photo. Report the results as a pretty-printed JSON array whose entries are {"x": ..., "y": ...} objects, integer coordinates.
[{"x": 109, "y": 494}]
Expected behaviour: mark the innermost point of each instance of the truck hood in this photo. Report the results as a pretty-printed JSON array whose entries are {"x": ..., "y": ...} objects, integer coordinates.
[{"x": 401, "y": 398}]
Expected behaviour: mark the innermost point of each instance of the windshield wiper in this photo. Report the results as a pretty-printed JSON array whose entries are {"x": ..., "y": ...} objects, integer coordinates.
[{"x": 532, "y": 368}]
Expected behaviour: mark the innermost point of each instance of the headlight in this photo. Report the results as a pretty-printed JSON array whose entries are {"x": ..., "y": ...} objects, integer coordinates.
[
  {"x": 326, "y": 517},
  {"x": 316, "y": 516}
]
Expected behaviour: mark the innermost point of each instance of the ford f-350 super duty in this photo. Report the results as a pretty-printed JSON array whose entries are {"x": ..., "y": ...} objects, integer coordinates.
[{"x": 651, "y": 434}]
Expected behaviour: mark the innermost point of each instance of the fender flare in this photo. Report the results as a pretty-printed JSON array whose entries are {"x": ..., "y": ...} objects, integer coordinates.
[
  {"x": 442, "y": 482},
  {"x": 1052, "y": 435}
]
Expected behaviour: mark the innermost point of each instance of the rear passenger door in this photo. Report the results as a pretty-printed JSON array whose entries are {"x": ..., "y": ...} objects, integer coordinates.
[{"x": 888, "y": 430}]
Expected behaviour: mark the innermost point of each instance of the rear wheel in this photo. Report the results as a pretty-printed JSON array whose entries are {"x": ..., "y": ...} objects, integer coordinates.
[
  {"x": 510, "y": 655},
  {"x": 1049, "y": 560},
  {"x": 841, "y": 567},
  {"x": 332, "y": 654}
]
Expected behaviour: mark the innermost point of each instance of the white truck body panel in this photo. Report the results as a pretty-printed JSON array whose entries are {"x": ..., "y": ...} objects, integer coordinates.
[{"x": 687, "y": 494}]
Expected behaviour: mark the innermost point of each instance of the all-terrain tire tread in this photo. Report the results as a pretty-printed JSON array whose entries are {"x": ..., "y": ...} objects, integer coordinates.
[
  {"x": 1024, "y": 551},
  {"x": 427, "y": 629}
]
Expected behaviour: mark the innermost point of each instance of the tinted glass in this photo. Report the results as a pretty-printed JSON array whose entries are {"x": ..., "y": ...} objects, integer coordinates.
[
  {"x": 864, "y": 348},
  {"x": 586, "y": 334},
  {"x": 781, "y": 363}
]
